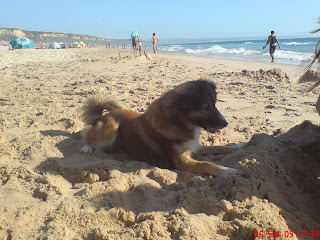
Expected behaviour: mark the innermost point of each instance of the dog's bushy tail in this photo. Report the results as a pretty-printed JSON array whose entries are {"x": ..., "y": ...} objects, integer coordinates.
[{"x": 93, "y": 108}]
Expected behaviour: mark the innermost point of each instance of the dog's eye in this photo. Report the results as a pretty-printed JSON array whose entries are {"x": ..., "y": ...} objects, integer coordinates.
[{"x": 206, "y": 107}]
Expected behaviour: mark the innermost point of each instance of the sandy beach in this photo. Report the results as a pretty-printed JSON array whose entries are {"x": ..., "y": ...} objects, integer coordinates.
[{"x": 49, "y": 190}]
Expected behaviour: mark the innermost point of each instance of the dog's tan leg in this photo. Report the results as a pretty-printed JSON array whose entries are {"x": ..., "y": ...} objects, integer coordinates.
[
  {"x": 88, "y": 147},
  {"x": 220, "y": 149},
  {"x": 187, "y": 163},
  {"x": 214, "y": 150},
  {"x": 103, "y": 135}
]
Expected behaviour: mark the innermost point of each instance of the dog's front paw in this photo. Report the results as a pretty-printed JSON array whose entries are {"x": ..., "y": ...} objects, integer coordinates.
[
  {"x": 87, "y": 149},
  {"x": 230, "y": 171}
]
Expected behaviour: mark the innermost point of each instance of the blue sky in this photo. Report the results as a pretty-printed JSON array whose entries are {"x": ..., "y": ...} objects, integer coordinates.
[{"x": 169, "y": 19}]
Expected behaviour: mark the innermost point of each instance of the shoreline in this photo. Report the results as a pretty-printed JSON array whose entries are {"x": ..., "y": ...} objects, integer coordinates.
[
  {"x": 238, "y": 64},
  {"x": 244, "y": 59}
]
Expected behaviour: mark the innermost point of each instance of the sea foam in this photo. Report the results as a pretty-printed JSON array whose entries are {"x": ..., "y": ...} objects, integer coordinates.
[
  {"x": 296, "y": 43},
  {"x": 219, "y": 49}
]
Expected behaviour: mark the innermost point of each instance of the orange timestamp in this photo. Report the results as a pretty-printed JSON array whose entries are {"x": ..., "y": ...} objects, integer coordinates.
[{"x": 286, "y": 234}]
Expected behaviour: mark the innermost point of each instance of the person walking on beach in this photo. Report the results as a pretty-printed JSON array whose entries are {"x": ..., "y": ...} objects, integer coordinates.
[
  {"x": 140, "y": 46},
  {"x": 273, "y": 40},
  {"x": 134, "y": 44},
  {"x": 154, "y": 41}
]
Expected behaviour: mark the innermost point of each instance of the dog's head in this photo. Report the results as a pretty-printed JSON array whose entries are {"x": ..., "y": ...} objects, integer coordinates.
[{"x": 195, "y": 102}]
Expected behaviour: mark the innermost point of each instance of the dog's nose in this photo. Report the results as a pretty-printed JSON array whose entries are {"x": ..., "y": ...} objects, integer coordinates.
[{"x": 224, "y": 123}]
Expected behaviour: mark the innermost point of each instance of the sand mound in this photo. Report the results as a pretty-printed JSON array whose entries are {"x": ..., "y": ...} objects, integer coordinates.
[
  {"x": 273, "y": 75},
  {"x": 280, "y": 191},
  {"x": 140, "y": 59},
  {"x": 310, "y": 76}
]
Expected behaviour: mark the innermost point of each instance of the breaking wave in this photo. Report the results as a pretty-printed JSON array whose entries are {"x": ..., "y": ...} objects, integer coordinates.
[
  {"x": 296, "y": 43},
  {"x": 218, "y": 49},
  {"x": 294, "y": 56}
]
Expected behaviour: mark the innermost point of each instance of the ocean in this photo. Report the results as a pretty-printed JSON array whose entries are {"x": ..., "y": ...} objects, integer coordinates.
[{"x": 299, "y": 51}]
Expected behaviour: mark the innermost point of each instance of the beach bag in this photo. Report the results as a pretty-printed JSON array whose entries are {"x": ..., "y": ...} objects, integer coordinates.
[{"x": 273, "y": 41}]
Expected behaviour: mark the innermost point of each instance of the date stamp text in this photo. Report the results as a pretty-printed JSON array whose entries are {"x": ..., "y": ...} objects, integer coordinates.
[{"x": 287, "y": 234}]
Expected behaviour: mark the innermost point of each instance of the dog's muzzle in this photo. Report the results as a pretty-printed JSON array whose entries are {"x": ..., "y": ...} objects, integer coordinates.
[{"x": 218, "y": 123}]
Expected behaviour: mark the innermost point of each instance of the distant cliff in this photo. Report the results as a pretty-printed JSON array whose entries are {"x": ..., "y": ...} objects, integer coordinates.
[{"x": 6, "y": 34}]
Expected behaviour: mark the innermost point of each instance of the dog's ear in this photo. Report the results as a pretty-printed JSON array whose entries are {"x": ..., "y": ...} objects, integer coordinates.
[{"x": 186, "y": 97}]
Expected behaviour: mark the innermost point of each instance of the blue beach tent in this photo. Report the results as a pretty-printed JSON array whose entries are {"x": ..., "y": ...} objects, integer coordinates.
[{"x": 21, "y": 43}]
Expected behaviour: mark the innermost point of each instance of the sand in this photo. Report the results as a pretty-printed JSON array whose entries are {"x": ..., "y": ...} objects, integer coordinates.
[{"x": 49, "y": 190}]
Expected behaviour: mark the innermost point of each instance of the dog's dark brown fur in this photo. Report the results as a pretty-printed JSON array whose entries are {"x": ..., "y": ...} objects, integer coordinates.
[{"x": 165, "y": 135}]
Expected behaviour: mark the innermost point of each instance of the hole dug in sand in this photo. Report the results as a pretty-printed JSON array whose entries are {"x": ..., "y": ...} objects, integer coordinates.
[{"x": 280, "y": 192}]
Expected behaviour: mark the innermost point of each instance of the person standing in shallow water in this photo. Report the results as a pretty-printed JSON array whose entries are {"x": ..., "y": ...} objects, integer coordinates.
[
  {"x": 154, "y": 41},
  {"x": 273, "y": 40}
]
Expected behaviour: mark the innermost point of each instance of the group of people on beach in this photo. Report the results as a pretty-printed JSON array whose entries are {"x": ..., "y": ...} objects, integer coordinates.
[{"x": 137, "y": 43}]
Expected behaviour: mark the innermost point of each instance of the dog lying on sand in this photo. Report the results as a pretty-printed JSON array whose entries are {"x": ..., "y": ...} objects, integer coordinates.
[{"x": 165, "y": 135}]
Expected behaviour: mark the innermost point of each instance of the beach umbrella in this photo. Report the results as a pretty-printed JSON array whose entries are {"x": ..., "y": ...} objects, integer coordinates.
[
  {"x": 21, "y": 42},
  {"x": 83, "y": 44},
  {"x": 134, "y": 34},
  {"x": 55, "y": 45}
]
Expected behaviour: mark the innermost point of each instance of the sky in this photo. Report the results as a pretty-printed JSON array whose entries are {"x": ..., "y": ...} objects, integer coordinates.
[{"x": 223, "y": 19}]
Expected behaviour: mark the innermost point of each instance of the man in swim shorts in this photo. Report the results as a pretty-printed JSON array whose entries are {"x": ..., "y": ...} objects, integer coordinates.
[
  {"x": 273, "y": 40},
  {"x": 154, "y": 41}
]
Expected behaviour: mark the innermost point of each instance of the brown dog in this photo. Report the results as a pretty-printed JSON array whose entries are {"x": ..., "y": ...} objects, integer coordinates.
[{"x": 165, "y": 135}]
